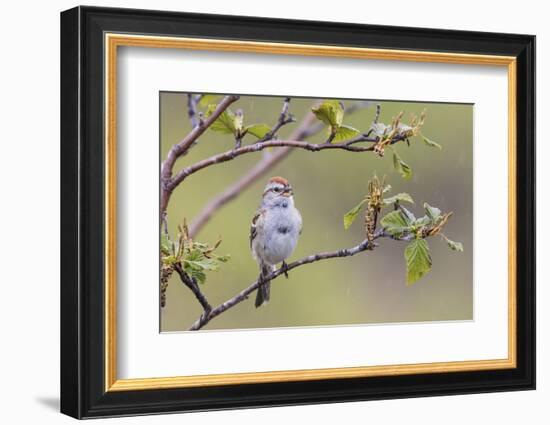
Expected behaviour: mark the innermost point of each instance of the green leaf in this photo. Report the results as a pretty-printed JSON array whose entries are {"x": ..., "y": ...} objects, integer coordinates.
[
  {"x": 331, "y": 112},
  {"x": 409, "y": 215},
  {"x": 258, "y": 130},
  {"x": 169, "y": 260},
  {"x": 431, "y": 143},
  {"x": 401, "y": 197},
  {"x": 455, "y": 246},
  {"x": 203, "y": 263},
  {"x": 419, "y": 261},
  {"x": 223, "y": 258},
  {"x": 422, "y": 221},
  {"x": 396, "y": 223},
  {"x": 401, "y": 167},
  {"x": 226, "y": 123},
  {"x": 199, "y": 246},
  {"x": 197, "y": 274},
  {"x": 432, "y": 212},
  {"x": 165, "y": 244},
  {"x": 345, "y": 132},
  {"x": 352, "y": 214},
  {"x": 208, "y": 99}
]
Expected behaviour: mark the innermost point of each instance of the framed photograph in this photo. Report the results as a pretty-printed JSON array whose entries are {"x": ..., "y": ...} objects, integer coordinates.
[{"x": 261, "y": 212}]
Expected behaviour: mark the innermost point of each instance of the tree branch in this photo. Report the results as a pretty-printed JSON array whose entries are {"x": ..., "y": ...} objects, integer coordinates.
[
  {"x": 194, "y": 287},
  {"x": 308, "y": 127},
  {"x": 243, "y": 295},
  {"x": 259, "y": 146},
  {"x": 183, "y": 146}
]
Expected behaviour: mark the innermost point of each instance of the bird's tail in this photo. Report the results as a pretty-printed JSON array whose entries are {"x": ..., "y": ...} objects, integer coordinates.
[{"x": 262, "y": 295}]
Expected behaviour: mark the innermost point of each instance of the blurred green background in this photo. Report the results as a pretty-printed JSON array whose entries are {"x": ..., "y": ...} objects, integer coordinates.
[{"x": 367, "y": 288}]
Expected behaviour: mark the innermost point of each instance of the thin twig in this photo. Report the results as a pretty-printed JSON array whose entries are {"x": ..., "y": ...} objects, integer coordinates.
[
  {"x": 183, "y": 146},
  {"x": 330, "y": 137},
  {"x": 194, "y": 287},
  {"x": 256, "y": 147},
  {"x": 192, "y": 113},
  {"x": 164, "y": 221},
  {"x": 365, "y": 245},
  {"x": 377, "y": 116},
  {"x": 284, "y": 118}
]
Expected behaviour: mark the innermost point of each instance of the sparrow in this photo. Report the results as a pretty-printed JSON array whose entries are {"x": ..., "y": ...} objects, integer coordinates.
[{"x": 274, "y": 232}]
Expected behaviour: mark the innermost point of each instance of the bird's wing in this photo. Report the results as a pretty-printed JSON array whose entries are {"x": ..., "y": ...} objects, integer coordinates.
[
  {"x": 301, "y": 223},
  {"x": 257, "y": 222}
]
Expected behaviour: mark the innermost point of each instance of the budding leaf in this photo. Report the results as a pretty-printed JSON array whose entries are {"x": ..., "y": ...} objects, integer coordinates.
[
  {"x": 418, "y": 259},
  {"x": 405, "y": 130},
  {"x": 379, "y": 129},
  {"x": 208, "y": 99},
  {"x": 431, "y": 143},
  {"x": 203, "y": 263},
  {"x": 401, "y": 197},
  {"x": 396, "y": 223},
  {"x": 169, "y": 260},
  {"x": 165, "y": 244},
  {"x": 196, "y": 264},
  {"x": 258, "y": 130},
  {"x": 198, "y": 258},
  {"x": 455, "y": 246},
  {"x": 352, "y": 214},
  {"x": 331, "y": 112},
  {"x": 223, "y": 258},
  {"x": 238, "y": 121},
  {"x": 401, "y": 167},
  {"x": 432, "y": 212},
  {"x": 226, "y": 123},
  {"x": 197, "y": 274},
  {"x": 345, "y": 132}
]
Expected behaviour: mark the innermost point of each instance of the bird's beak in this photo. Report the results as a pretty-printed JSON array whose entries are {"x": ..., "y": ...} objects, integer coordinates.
[{"x": 287, "y": 192}]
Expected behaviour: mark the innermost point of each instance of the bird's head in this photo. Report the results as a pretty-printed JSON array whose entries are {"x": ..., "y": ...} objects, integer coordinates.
[{"x": 277, "y": 188}]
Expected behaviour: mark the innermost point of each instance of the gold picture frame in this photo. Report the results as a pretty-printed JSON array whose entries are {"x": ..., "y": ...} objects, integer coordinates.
[{"x": 114, "y": 41}]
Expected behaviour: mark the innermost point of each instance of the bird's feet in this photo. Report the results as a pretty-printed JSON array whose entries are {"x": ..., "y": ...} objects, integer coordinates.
[{"x": 284, "y": 268}]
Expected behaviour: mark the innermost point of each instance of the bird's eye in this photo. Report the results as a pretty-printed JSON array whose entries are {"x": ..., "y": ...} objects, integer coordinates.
[{"x": 277, "y": 189}]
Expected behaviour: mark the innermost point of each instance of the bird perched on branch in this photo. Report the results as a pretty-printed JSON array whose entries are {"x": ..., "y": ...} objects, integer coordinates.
[{"x": 274, "y": 232}]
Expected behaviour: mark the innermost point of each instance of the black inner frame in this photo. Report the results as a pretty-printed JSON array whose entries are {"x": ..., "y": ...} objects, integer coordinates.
[{"x": 82, "y": 212}]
